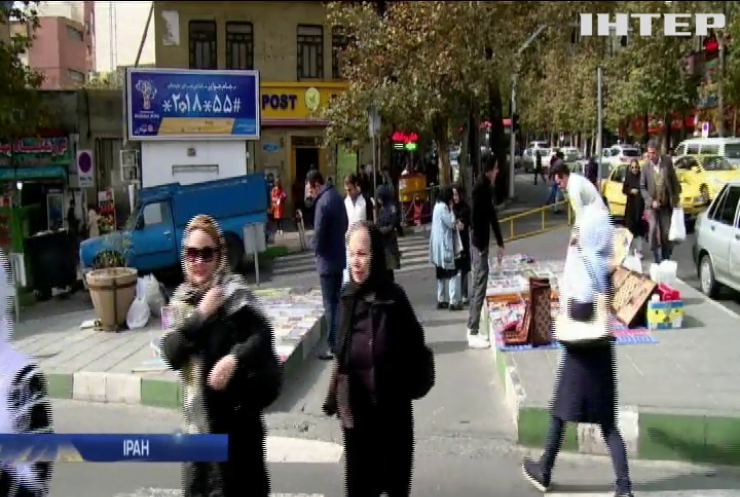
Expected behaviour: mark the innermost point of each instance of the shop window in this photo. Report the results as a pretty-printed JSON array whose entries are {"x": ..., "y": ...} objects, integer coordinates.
[
  {"x": 202, "y": 44},
  {"x": 310, "y": 52},
  {"x": 239, "y": 45}
]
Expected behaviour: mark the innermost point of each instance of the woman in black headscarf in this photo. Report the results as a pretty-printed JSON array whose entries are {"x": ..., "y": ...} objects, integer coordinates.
[
  {"x": 222, "y": 346},
  {"x": 382, "y": 365},
  {"x": 462, "y": 212},
  {"x": 387, "y": 223},
  {"x": 635, "y": 206}
]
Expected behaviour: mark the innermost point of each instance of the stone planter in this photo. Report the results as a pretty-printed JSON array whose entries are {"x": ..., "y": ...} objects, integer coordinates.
[{"x": 112, "y": 291}]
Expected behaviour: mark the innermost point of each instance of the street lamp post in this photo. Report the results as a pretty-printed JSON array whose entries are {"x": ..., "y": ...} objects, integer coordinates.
[{"x": 514, "y": 82}]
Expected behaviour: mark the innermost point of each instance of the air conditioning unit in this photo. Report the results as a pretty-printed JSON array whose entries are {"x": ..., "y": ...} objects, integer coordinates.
[{"x": 129, "y": 166}]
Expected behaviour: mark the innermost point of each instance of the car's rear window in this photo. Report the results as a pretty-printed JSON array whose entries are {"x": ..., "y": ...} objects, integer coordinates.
[
  {"x": 630, "y": 152},
  {"x": 732, "y": 150}
]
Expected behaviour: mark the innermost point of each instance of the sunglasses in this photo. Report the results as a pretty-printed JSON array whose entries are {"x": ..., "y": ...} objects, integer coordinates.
[{"x": 205, "y": 254}]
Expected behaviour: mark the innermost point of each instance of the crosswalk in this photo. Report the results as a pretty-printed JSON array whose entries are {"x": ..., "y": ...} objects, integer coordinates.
[{"x": 414, "y": 256}]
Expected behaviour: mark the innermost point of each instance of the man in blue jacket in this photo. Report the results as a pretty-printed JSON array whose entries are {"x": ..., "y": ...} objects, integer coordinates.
[{"x": 329, "y": 227}]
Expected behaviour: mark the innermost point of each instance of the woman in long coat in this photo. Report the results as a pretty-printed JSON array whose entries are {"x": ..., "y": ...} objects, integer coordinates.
[
  {"x": 586, "y": 390},
  {"x": 462, "y": 212},
  {"x": 442, "y": 251},
  {"x": 387, "y": 223},
  {"x": 222, "y": 346},
  {"x": 635, "y": 207},
  {"x": 382, "y": 365}
]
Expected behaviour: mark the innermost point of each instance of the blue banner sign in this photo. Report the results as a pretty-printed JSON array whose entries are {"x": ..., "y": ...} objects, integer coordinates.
[{"x": 178, "y": 104}]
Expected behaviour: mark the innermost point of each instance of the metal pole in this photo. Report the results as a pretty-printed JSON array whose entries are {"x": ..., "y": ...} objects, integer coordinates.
[
  {"x": 512, "y": 141},
  {"x": 600, "y": 118},
  {"x": 143, "y": 36},
  {"x": 375, "y": 168}
]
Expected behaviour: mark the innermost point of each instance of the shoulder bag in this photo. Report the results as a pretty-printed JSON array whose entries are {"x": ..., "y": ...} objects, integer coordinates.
[{"x": 570, "y": 332}]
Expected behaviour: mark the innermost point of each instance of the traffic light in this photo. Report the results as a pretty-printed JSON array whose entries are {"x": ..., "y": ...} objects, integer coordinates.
[{"x": 515, "y": 123}]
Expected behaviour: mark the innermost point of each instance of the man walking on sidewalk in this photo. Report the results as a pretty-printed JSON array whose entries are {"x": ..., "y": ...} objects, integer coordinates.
[
  {"x": 483, "y": 220},
  {"x": 330, "y": 225}
]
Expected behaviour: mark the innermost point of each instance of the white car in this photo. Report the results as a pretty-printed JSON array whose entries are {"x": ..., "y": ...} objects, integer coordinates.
[
  {"x": 529, "y": 159},
  {"x": 571, "y": 154},
  {"x": 717, "y": 247},
  {"x": 619, "y": 155}
]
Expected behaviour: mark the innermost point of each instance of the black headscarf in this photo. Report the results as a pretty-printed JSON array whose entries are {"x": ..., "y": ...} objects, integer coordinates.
[{"x": 378, "y": 277}]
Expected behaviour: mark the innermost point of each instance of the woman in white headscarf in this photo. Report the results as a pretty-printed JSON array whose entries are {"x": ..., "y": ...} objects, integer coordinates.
[
  {"x": 24, "y": 405},
  {"x": 586, "y": 390}
]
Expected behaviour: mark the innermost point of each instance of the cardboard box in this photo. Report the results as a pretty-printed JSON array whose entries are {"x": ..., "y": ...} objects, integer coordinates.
[{"x": 666, "y": 315}]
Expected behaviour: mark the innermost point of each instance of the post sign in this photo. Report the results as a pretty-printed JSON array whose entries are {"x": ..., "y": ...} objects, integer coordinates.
[
  {"x": 180, "y": 104},
  {"x": 85, "y": 171},
  {"x": 705, "y": 129}
]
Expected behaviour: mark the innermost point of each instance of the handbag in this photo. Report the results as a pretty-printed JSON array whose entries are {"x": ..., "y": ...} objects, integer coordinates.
[{"x": 568, "y": 331}]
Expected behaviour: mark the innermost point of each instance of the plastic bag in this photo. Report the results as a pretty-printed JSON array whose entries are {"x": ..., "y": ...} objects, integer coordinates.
[
  {"x": 633, "y": 263},
  {"x": 677, "y": 231},
  {"x": 568, "y": 285},
  {"x": 153, "y": 294},
  {"x": 139, "y": 312}
]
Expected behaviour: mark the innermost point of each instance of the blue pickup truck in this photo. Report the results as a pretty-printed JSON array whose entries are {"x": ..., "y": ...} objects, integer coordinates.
[{"x": 151, "y": 240}]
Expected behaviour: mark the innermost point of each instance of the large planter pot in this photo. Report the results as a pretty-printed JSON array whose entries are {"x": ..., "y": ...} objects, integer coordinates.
[{"x": 112, "y": 291}]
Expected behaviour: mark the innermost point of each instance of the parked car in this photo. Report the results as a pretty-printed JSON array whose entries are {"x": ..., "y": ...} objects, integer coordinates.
[
  {"x": 716, "y": 249},
  {"x": 571, "y": 154},
  {"x": 729, "y": 148},
  {"x": 692, "y": 202},
  {"x": 619, "y": 154},
  {"x": 152, "y": 237},
  {"x": 708, "y": 172},
  {"x": 529, "y": 158}
]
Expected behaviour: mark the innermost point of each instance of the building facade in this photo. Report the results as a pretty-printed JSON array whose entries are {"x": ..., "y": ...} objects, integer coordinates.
[
  {"x": 63, "y": 49},
  {"x": 297, "y": 55}
]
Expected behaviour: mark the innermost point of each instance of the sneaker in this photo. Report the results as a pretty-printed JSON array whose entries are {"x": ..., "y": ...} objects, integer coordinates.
[
  {"x": 478, "y": 341},
  {"x": 533, "y": 473},
  {"x": 628, "y": 494},
  {"x": 456, "y": 307},
  {"x": 442, "y": 305},
  {"x": 465, "y": 302}
]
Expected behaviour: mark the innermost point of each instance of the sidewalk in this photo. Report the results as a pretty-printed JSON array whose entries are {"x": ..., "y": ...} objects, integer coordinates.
[
  {"x": 679, "y": 399},
  {"x": 124, "y": 367}
]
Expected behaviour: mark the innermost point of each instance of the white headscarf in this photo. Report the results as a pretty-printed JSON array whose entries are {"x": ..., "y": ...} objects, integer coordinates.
[{"x": 594, "y": 253}]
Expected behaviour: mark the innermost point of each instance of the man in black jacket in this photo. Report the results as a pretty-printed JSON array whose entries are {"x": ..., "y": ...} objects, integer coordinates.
[{"x": 483, "y": 220}]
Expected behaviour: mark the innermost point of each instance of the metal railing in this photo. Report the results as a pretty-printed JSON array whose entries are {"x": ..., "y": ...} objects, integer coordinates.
[{"x": 536, "y": 221}]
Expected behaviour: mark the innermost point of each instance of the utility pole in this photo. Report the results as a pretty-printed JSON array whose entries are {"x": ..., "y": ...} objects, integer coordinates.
[
  {"x": 599, "y": 119},
  {"x": 514, "y": 82},
  {"x": 721, "y": 83}
]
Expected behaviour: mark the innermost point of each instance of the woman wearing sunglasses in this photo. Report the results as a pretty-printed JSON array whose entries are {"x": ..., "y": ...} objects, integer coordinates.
[{"x": 221, "y": 344}]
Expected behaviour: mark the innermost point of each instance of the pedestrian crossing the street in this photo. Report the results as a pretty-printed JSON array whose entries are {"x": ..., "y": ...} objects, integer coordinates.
[{"x": 414, "y": 256}]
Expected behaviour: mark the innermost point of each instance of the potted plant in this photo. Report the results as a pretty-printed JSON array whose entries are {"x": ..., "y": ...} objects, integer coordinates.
[{"x": 112, "y": 284}]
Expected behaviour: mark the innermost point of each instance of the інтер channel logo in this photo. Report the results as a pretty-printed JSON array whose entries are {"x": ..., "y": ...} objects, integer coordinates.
[{"x": 673, "y": 24}]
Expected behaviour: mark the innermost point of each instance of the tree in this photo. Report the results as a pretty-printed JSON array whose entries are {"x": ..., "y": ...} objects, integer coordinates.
[
  {"x": 21, "y": 113},
  {"x": 649, "y": 75},
  {"x": 104, "y": 81}
]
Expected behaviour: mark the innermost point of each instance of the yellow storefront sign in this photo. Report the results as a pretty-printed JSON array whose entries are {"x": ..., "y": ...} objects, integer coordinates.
[{"x": 296, "y": 100}]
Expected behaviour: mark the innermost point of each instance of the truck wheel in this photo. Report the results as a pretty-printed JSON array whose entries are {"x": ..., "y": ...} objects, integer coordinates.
[{"x": 234, "y": 251}]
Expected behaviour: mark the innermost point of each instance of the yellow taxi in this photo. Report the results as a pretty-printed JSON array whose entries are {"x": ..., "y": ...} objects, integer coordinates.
[
  {"x": 707, "y": 172},
  {"x": 692, "y": 201}
]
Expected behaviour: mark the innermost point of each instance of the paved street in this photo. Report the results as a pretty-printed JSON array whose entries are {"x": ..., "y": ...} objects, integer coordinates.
[{"x": 463, "y": 436}]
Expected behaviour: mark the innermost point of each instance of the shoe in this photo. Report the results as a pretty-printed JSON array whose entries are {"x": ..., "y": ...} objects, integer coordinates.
[
  {"x": 628, "y": 494},
  {"x": 533, "y": 473},
  {"x": 456, "y": 307},
  {"x": 328, "y": 356},
  {"x": 442, "y": 305},
  {"x": 465, "y": 302},
  {"x": 478, "y": 341}
]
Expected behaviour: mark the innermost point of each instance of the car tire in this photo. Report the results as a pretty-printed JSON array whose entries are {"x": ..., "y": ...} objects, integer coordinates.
[
  {"x": 234, "y": 252},
  {"x": 707, "y": 281}
]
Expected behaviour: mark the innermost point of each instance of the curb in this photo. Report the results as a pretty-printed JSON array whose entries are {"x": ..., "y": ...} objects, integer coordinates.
[
  {"x": 133, "y": 389},
  {"x": 690, "y": 435}
]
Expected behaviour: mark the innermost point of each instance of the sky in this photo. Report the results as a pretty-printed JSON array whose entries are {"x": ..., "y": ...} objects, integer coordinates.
[{"x": 130, "y": 20}]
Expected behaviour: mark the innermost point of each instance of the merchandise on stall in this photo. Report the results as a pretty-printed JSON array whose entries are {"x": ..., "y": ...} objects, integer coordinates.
[{"x": 107, "y": 211}]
